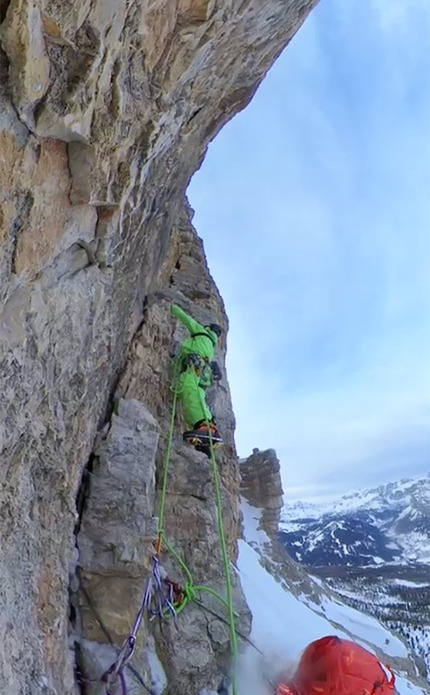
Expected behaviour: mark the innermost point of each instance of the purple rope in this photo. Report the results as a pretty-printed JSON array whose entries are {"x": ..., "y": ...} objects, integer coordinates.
[
  {"x": 123, "y": 684},
  {"x": 128, "y": 647},
  {"x": 106, "y": 678},
  {"x": 163, "y": 600}
]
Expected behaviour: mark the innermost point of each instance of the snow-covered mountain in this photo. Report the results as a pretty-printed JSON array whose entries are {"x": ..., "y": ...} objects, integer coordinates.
[
  {"x": 290, "y": 610},
  {"x": 373, "y": 548},
  {"x": 388, "y": 524}
]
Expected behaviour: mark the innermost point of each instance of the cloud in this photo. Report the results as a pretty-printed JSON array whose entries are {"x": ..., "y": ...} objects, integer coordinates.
[{"x": 313, "y": 205}]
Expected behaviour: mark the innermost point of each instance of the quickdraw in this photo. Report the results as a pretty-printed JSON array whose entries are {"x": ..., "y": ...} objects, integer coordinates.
[
  {"x": 176, "y": 592},
  {"x": 164, "y": 605}
]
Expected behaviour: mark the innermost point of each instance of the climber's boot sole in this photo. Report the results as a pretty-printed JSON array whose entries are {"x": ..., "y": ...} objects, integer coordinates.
[{"x": 193, "y": 439}]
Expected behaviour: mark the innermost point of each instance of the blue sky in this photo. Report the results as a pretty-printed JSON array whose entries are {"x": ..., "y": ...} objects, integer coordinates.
[{"x": 313, "y": 204}]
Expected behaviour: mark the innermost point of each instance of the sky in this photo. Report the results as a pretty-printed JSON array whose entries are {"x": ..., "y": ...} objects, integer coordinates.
[{"x": 314, "y": 207}]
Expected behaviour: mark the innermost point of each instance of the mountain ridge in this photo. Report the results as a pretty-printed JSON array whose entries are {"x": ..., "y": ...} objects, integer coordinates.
[
  {"x": 389, "y": 523},
  {"x": 371, "y": 547}
]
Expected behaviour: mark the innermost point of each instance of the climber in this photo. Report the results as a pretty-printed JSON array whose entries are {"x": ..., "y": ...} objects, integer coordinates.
[
  {"x": 198, "y": 371},
  {"x": 334, "y": 666}
]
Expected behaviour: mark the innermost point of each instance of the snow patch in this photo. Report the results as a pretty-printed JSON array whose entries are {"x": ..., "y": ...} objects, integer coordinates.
[
  {"x": 407, "y": 583},
  {"x": 368, "y": 630},
  {"x": 251, "y": 522}
]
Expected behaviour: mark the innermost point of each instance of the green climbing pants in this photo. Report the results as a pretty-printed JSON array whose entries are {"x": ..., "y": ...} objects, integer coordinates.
[{"x": 193, "y": 397}]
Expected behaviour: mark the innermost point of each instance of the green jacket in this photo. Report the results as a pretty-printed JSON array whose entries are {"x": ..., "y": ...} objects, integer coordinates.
[{"x": 203, "y": 345}]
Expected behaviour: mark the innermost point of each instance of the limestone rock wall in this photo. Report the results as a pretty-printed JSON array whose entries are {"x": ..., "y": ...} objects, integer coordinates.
[
  {"x": 106, "y": 109},
  {"x": 262, "y": 486},
  {"x": 114, "y": 539},
  {"x": 114, "y": 542}
]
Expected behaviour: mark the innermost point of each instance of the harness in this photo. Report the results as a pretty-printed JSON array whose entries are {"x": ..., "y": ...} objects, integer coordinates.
[
  {"x": 200, "y": 365},
  {"x": 195, "y": 360},
  {"x": 206, "y": 335}
]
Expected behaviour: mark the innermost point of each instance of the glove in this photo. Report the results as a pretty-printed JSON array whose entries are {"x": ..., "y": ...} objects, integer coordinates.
[{"x": 216, "y": 371}]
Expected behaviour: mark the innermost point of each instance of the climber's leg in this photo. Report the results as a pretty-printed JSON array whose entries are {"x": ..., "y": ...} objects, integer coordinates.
[
  {"x": 196, "y": 411},
  {"x": 194, "y": 406}
]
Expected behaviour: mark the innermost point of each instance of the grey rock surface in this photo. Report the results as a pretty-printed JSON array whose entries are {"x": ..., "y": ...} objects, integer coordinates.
[
  {"x": 106, "y": 111},
  {"x": 261, "y": 485}
]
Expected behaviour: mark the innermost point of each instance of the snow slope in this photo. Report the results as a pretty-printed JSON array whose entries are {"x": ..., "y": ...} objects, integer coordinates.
[{"x": 283, "y": 623}]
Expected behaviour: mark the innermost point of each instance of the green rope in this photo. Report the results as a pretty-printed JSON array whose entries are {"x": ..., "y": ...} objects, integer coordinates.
[
  {"x": 180, "y": 562},
  {"x": 166, "y": 462},
  {"x": 190, "y": 589},
  {"x": 229, "y": 602},
  {"x": 230, "y": 607}
]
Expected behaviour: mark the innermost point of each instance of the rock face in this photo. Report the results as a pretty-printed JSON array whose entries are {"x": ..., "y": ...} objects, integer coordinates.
[
  {"x": 199, "y": 658},
  {"x": 114, "y": 540},
  {"x": 262, "y": 486},
  {"x": 106, "y": 110}
]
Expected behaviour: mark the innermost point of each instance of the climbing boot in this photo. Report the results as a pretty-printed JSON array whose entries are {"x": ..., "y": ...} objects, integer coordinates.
[{"x": 201, "y": 435}]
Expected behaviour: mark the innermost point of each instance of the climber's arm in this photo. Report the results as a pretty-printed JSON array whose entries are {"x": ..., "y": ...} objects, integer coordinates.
[{"x": 190, "y": 323}]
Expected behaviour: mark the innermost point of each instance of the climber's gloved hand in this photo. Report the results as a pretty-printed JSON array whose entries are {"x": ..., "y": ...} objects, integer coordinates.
[{"x": 216, "y": 371}]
